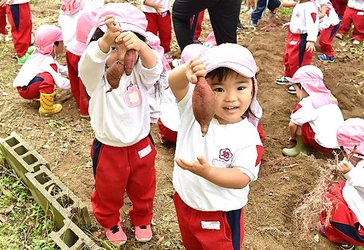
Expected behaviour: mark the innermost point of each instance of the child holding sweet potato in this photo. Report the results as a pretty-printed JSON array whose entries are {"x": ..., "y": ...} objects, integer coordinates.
[
  {"x": 122, "y": 152},
  {"x": 212, "y": 173}
]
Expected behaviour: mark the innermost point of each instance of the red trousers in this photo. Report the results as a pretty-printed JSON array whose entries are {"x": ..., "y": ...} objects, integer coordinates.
[
  {"x": 356, "y": 17},
  {"x": 42, "y": 83},
  {"x": 326, "y": 39},
  {"x": 3, "y": 29},
  {"x": 198, "y": 30},
  {"x": 117, "y": 169},
  {"x": 161, "y": 26},
  {"x": 20, "y": 19},
  {"x": 339, "y": 6},
  {"x": 344, "y": 226},
  {"x": 197, "y": 235},
  {"x": 308, "y": 138},
  {"x": 77, "y": 87},
  {"x": 295, "y": 54}
]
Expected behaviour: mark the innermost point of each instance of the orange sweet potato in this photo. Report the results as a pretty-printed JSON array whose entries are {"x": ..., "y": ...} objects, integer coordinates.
[
  {"x": 129, "y": 61},
  {"x": 203, "y": 104},
  {"x": 116, "y": 70}
]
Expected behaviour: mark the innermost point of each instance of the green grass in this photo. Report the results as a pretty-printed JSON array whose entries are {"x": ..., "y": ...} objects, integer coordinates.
[{"x": 23, "y": 223}]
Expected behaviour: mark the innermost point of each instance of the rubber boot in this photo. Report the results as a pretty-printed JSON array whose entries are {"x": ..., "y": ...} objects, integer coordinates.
[
  {"x": 47, "y": 106},
  {"x": 300, "y": 147}
]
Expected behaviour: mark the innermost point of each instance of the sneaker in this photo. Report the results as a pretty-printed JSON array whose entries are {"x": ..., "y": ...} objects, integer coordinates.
[
  {"x": 356, "y": 42},
  {"x": 245, "y": 9},
  {"x": 340, "y": 36},
  {"x": 282, "y": 81},
  {"x": 30, "y": 50},
  {"x": 291, "y": 90},
  {"x": 168, "y": 57},
  {"x": 176, "y": 62},
  {"x": 253, "y": 25},
  {"x": 143, "y": 233},
  {"x": 239, "y": 26},
  {"x": 326, "y": 58},
  {"x": 23, "y": 59},
  {"x": 347, "y": 247},
  {"x": 116, "y": 235}
]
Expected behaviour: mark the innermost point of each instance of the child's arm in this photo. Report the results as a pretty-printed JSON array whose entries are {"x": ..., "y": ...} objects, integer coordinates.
[
  {"x": 180, "y": 76},
  {"x": 288, "y": 4},
  {"x": 312, "y": 29},
  {"x": 323, "y": 11},
  {"x": 223, "y": 177},
  {"x": 158, "y": 7}
]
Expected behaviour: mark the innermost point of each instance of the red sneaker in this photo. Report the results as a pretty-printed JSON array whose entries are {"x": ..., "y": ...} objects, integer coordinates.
[
  {"x": 116, "y": 235},
  {"x": 143, "y": 233}
]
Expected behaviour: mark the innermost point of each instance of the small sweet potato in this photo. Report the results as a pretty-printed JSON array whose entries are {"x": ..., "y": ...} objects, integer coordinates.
[
  {"x": 203, "y": 104},
  {"x": 114, "y": 73},
  {"x": 129, "y": 61}
]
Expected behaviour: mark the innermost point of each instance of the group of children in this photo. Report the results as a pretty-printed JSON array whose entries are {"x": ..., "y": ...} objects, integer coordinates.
[{"x": 212, "y": 173}]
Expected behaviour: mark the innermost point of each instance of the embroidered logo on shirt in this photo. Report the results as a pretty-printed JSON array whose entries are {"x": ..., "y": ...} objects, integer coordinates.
[{"x": 225, "y": 154}]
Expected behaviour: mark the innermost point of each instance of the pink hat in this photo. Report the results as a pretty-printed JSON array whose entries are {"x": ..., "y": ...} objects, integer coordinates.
[
  {"x": 351, "y": 133},
  {"x": 84, "y": 25},
  {"x": 210, "y": 40},
  {"x": 128, "y": 16},
  {"x": 311, "y": 79},
  {"x": 239, "y": 59},
  {"x": 154, "y": 42},
  {"x": 192, "y": 50},
  {"x": 70, "y": 7},
  {"x": 45, "y": 36}
]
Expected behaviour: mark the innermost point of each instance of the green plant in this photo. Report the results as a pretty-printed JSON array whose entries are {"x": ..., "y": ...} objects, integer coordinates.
[{"x": 23, "y": 223}]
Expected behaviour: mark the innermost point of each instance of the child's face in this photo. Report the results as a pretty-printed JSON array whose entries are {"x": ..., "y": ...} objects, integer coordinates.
[
  {"x": 233, "y": 97},
  {"x": 113, "y": 55},
  {"x": 300, "y": 92},
  {"x": 59, "y": 49}
]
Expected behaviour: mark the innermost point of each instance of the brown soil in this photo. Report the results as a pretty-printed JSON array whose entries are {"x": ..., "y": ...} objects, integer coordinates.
[{"x": 64, "y": 140}]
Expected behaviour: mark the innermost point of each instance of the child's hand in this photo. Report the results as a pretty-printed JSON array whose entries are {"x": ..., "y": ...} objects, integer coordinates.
[
  {"x": 158, "y": 7},
  {"x": 285, "y": 26},
  {"x": 113, "y": 30},
  {"x": 195, "y": 68},
  {"x": 310, "y": 46},
  {"x": 130, "y": 40},
  {"x": 199, "y": 167},
  {"x": 344, "y": 166}
]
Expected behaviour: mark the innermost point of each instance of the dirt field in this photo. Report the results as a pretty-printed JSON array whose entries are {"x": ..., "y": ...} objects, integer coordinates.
[{"x": 64, "y": 140}]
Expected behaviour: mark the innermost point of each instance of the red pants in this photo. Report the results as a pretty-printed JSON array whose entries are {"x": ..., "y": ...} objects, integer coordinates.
[
  {"x": 356, "y": 17},
  {"x": 77, "y": 87},
  {"x": 117, "y": 169},
  {"x": 339, "y": 6},
  {"x": 20, "y": 19},
  {"x": 198, "y": 30},
  {"x": 195, "y": 236},
  {"x": 308, "y": 138},
  {"x": 161, "y": 26},
  {"x": 3, "y": 29},
  {"x": 295, "y": 54},
  {"x": 43, "y": 83},
  {"x": 344, "y": 225},
  {"x": 326, "y": 39}
]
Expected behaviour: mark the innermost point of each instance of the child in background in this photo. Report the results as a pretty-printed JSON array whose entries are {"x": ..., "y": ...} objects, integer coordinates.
[
  {"x": 340, "y": 7},
  {"x": 122, "y": 152},
  {"x": 262, "y": 5},
  {"x": 211, "y": 174},
  {"x": 159, "y": 22},
  {"x": 3, "y": 31},
  {"x": 249, "y": 7},
  {"x": 20, "y": 20},
  {"x": 73, "y": 54},
  {"x": 302, "y": 35},
  {"x": 198, "y": 28},
  {"x": 328, "y": 25},
  {"x": 354, "y": 14},
  {"x": 317, "y": 116},
  {"x": 39, "y": 75},
  {"x": 346, "y": 223}
]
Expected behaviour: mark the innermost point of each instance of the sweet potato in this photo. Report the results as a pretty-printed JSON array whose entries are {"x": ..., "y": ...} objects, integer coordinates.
[
  {"x": 116, "y": 70},
  {"x": 129, "y": 61},
  {"x": 203, "y": 104}
]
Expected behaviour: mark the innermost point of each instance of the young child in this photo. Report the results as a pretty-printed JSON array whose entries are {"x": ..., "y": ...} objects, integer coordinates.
[
  {"x": 73, "y": 54},
  {"x": 354, "y": 14},
  {"x": 20, "y": 20},
  {"x": 122, "y": 152},
  {"x": 340, "y": 7},
  {"x": 317, "y": 116},
  {"x": 328, "y": 25},
  {"x": 3, "y": 31},
  {"x": 302, "y": 35},
  {"x": 346, "y": 226},
  {"x": 262, "y": 5},
  {"x": 211, "y": 174},
  {"x": 39, "y": 75},
  {"x": 159, "y": 22}
]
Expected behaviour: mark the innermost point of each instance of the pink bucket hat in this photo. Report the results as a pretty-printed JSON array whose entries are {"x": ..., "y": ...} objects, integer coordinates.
[
  {"x": 311, "y": 79},
  {"x": 45, "y": 36},
  {"x": 154, "y": 42},
  {"x": 84, "y": 25},
  {"x": 192, "y": 50},
  {"x": 351, "y": 133},
  {"x": 241, "y": 60},
  {"x": 128, "y": 16}
]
